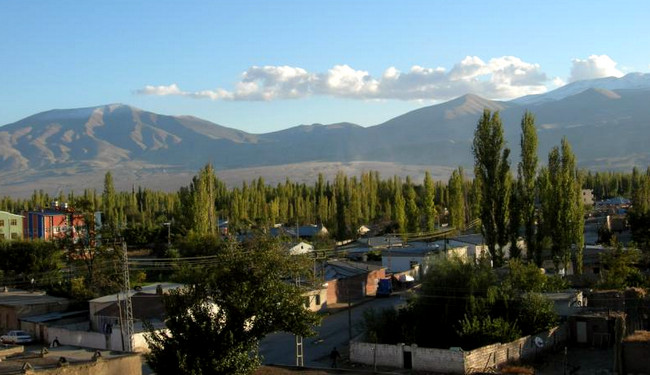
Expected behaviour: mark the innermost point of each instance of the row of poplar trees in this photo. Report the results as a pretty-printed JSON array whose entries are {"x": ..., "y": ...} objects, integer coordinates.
[{"x": 545, "y": 201}]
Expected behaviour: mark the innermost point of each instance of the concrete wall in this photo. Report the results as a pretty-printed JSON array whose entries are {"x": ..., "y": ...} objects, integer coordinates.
[
  {"x": 317, "y": 299},
  {"x": 495, "y": 355},
  {"x": 455, "y": 361},
  {"x": 386, "y": 355},
  {"x": 422, "y": 359},
  {"x": 95, "y": 340},
  {"x": 443, "y": 360},
  {"x": 10, "y": 350},
  {"x": 635, "y": 357},
  {"x": 126, "y": 365},
  {"x": 8, "y": 318}
]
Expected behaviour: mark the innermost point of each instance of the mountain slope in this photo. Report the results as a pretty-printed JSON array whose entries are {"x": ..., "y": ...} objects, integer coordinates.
[
  {"x": 608, "y": 129},
  {"x": 108, "y": 135},
  {"x": 631, "y": 81}
]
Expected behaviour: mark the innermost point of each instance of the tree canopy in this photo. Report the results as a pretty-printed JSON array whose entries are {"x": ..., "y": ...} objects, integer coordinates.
[{"x": 215, "y": 322}]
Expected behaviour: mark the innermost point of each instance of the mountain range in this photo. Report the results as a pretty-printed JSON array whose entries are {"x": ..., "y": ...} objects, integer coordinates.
[{"x": 607, "y": 121}]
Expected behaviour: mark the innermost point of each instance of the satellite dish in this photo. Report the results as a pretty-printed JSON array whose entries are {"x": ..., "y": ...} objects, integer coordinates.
[{"x": 539, "y": 342}]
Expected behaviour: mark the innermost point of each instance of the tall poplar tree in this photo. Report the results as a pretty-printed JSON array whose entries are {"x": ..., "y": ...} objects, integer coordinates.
[
  {"x": 562, "y": 210},
  {"x": 491, "y": 170},
  {"x": 412, "y": 212},
  {"x": 203, "y": 190},
  {"x": 109, "y": 204},
  {"x": 526, "y": 183},
  {"x": 399, "y": 206},
  {"x": 456, "y": 204},
  {"x": 428, "y": 206}
]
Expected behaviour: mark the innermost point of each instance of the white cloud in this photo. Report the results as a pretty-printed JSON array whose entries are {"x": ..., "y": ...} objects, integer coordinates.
[
  {"x": 595, "y": 66},
  {"x": 504, "y": 77},
  {"x": 160, "y": 90}
]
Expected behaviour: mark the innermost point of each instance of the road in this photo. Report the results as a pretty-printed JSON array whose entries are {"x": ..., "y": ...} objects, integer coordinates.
[{"x": 280, "y": 348}]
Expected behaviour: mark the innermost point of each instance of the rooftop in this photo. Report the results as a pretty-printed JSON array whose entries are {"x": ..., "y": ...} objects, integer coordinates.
[
  {"x": 147, "y": 289},
  {"x": 49, "y": 359},
  {"x": 340, "y": 269},
  {"x": 145, "y": 306},
  {"x": 18, "y": 297}
]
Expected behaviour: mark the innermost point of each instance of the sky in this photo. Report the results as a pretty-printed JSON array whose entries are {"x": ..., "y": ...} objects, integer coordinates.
[{"x": 263, "y": 66}]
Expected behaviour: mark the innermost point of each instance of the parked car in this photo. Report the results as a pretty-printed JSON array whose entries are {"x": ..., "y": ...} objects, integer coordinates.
[{"x": 16, "y": 337}]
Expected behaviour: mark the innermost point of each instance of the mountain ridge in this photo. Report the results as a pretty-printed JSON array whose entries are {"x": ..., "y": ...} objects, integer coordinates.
[{"x": 605, "y": 126}]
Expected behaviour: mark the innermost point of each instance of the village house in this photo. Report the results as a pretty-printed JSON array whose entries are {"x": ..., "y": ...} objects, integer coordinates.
[
  {"x": 307, "y": 231},
  {"x": 350, "y": 281},
  {"x": 300, "y": 248},
  {"x": 405, "y": 258},
  {"x": 99, "y": 315},
  {"x": 16, "y": 304}
]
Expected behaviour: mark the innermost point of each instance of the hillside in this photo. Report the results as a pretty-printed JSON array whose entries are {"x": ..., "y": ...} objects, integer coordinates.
[{"x": 607, "y": 127}]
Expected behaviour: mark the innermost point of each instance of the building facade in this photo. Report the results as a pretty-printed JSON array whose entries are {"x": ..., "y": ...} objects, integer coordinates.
[
  {"x": 11, "y": 226},
  {"x": 53, "y": 224}
]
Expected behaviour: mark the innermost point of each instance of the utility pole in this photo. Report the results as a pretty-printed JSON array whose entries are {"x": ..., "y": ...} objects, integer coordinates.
[
  {"x": 347, "y": 289},
  {"x": 300, "y": 354},
  {"x": 127, "y": 327}
]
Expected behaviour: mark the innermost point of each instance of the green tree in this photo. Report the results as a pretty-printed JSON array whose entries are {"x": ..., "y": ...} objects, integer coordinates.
[
  {"x": 109, "y": 205},
  {"x": 562, "y": 210},
  {"x": 203, "y": 192},
  {"x": 620, "y": 269},
  {"x": 456, "y": 200},
  {"x": 399, "y": 210},
  {"x": 215, "y": 323},
  {"x": 429, "y": 208},
  {"x": 491, "y": 170},
  {"x": 639, "y": 214},
  {"x": 412, "y": 211},
  {"x": 526, "y": 183}
]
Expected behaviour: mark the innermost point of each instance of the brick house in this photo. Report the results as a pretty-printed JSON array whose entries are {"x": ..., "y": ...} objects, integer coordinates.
[{"x": 350, "y": 281}]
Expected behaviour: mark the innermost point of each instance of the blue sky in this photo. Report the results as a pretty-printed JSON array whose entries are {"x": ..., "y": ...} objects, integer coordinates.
[{"x": 262, "y": 66}]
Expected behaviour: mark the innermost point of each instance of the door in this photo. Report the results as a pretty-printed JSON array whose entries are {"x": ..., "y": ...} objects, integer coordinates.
[
  {"x": 407, "y": 360},
  {"x": 581, "y": 332}
]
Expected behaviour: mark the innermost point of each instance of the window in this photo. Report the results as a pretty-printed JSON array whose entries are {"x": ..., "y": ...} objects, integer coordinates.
[
  {"x": 2, "y": 223},
  {"x": 13, "y": 222},
  {"x": 14, "y": 236},
  {"x": 2, "y": 236},
  {"x": 56, "y": 229},
  {"x": 318, "y": 299}
]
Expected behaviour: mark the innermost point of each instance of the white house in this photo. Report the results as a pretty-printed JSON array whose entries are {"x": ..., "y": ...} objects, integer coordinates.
[{"x": 300, "y": 248}]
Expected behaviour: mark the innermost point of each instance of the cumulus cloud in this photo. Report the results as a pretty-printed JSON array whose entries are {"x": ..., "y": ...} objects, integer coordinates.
[
  {"x": 499, "y": 78},
  {"x": 160, "y": 90},
  {"x": 595, "y": 66}
]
